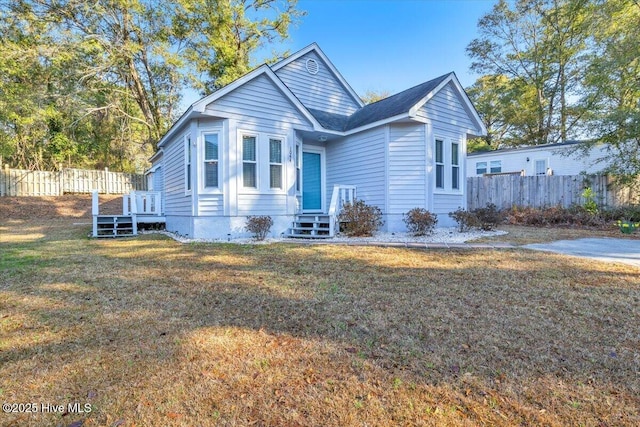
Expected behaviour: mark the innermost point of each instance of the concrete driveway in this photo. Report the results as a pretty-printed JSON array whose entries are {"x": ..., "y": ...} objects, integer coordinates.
[{"x": 625, "y": 251}]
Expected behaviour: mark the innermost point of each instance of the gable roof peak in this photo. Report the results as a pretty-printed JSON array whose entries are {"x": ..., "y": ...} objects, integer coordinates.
[{"x": 332, "y": 68}]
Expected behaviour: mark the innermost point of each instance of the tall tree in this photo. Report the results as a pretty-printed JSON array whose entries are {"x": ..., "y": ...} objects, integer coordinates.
[
  {"x": 612, "y": 85},
  {"x": 536, "y": 44},
  {"x": 121, "y": 66}
]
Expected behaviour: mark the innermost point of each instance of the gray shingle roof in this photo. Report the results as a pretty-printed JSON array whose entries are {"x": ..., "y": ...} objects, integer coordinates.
[
  {"x": 394, "y": 105},
  {"x": 330, "y": 121}
]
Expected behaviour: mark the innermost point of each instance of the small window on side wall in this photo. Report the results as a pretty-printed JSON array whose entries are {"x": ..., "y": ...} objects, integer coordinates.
[
  {"x": 439, "y": 163},
  {"x": 187, "y": 163},
  {"x": 249, "y": 165},
  {"x": 481, "y": 168},
  {"x": 211, "y": 160},
  {"x": 455, "y": 166},
  {"x": 275, "y": 163},
  {"x": 496, "y": 166}
]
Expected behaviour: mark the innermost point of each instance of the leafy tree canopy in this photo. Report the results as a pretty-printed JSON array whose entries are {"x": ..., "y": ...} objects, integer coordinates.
[{"x": 97, "y": 83}]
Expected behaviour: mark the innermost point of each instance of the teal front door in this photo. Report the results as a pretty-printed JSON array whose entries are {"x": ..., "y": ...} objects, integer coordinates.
[{"x": 311, "y": 182}]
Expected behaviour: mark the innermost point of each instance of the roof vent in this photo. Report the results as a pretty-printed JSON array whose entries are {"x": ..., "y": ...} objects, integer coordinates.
[{"x": 312, "y": 66}]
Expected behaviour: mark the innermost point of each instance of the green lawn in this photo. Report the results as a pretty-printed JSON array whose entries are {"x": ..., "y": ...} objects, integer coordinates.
[{"x": 152, "y": 332}]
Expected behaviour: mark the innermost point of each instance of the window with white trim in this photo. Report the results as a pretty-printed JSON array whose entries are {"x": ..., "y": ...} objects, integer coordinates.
[
  {"x": 481, "y": 168},
  {"x": 455, "y": 166},
  {"x": 541, "y": 167},
  {"x": 495, "y": 166},
  {"x": 211, "y": 164},
  {"x": 275, "y": 163},
  {"x": 439, "y": 163},
  {"x": 298, "y": 163},
  {"x": 187, "y": 163},
  {"x": 249, "y": 163}
]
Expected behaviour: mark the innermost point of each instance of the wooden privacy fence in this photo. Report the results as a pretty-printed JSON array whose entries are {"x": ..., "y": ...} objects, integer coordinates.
[
  {"x": 540, "y": 191},
  {"x": 18, "y": 182}
]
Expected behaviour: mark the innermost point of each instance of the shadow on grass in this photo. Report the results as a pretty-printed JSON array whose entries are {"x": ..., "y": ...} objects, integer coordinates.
[{"x": 146, "y": 326}]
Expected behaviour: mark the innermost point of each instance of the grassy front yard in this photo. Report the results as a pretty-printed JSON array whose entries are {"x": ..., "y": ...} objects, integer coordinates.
[{"x": 152, "y": 332}]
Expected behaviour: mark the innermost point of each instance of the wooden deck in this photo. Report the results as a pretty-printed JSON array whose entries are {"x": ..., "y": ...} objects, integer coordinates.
[{"x": 137, "y": 208}]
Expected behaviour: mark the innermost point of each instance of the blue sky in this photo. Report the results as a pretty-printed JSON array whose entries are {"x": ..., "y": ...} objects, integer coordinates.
[{"x": 389, "y": 45}]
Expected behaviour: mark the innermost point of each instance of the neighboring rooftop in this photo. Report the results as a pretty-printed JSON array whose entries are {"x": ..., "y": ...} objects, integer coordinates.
[{"x": 528, "y": 147}]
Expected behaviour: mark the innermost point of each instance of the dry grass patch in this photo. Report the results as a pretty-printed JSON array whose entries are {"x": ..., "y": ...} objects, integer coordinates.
[{"x": 151, "y": 332}]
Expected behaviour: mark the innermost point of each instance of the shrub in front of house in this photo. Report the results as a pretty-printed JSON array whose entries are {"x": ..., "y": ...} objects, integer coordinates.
[
  {"x": 466, "y": 220},
  {"x": 489, "y": 217},
  {"x": 360, "y": 219},
  {"x": 259, "y": 226},
  {"x": 420, "y": 221}
]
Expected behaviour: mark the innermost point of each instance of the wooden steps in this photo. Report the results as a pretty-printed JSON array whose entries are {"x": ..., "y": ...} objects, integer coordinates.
[
  {"x": 115, "y": 226},
  {"x": 310, "y": 226}
]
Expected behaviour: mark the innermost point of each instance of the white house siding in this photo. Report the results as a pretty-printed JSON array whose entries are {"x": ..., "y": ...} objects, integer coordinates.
[
  {"x": 210, "y": 205},
  {"x": 259, "y": 101},
  {"x": 257, "y": 108},
  {"x": 448, "y": 200},
  {"x": 407, "y": 172},
  {"x": 321, "y": 91},
  {"x": 359, "y": 160},
  {"x": 561, "y": 160},
  {"x": 445, "y": 203},
  {"x": 446, "y": 107},
  {"x": 176, "y": 201}
]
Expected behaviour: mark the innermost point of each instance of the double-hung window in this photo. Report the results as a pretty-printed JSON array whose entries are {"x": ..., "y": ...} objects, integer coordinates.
[
  {"x": 275, "y": 163},
  {"x": 187, "y": 163},
  {"x": 495, "y": 166},
  {"x": 455, "y": 166},
  {"x": 211, "y": 165},
  {"x": 439, "y": 163},
  {"x": 481, "y": 168},
  {"x": 249, "y": 164}
]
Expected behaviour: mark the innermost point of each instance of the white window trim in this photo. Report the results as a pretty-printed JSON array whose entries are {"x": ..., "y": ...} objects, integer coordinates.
[
  {"x": 202, "y": 188},
  {"x": 443, "y": 164},
  {"x": 241, "y": 161},
  {"x": 490, "y": 167},
  {"x": 316, "y": 149},
  {"x": 188, "y": 161},
  {"x": 457, "y": 166},
  {"x": 546, "y": 166},
  {"x": 447, "y": 162},
  {"x": 283, "y": 164},
  {"x": 485, "y": 168},
  {"x": 263, "y": 184},
  {"x": 297, "y": 165}
]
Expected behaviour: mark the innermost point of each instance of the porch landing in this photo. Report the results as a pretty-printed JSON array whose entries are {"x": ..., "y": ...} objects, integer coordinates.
[{"x": 137, "y": 208}]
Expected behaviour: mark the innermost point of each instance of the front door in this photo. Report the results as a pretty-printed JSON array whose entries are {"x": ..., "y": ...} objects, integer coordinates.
[{"x": 311, "y": 181}]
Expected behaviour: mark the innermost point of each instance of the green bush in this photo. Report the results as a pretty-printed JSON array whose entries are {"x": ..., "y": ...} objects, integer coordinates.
[
  {"x": 466, "y": 220},
  {"x": 360, "y": 219},
  {"x": 489, "y": 217},
  {"x": 590, "y": 204},
  {"x": 259, "y": 226},
  {"x": 420, "y": 221}
]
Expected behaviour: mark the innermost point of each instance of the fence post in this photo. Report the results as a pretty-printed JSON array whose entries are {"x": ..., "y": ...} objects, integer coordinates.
[
  {"x": 4, "y": 179},
  {"x": 106, "y": 180}
]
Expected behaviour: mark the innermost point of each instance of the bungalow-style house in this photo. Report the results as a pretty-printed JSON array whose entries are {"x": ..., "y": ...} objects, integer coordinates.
[
  {"x": 292, "y": 140},
  {"x": 566, "y": 158}
]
